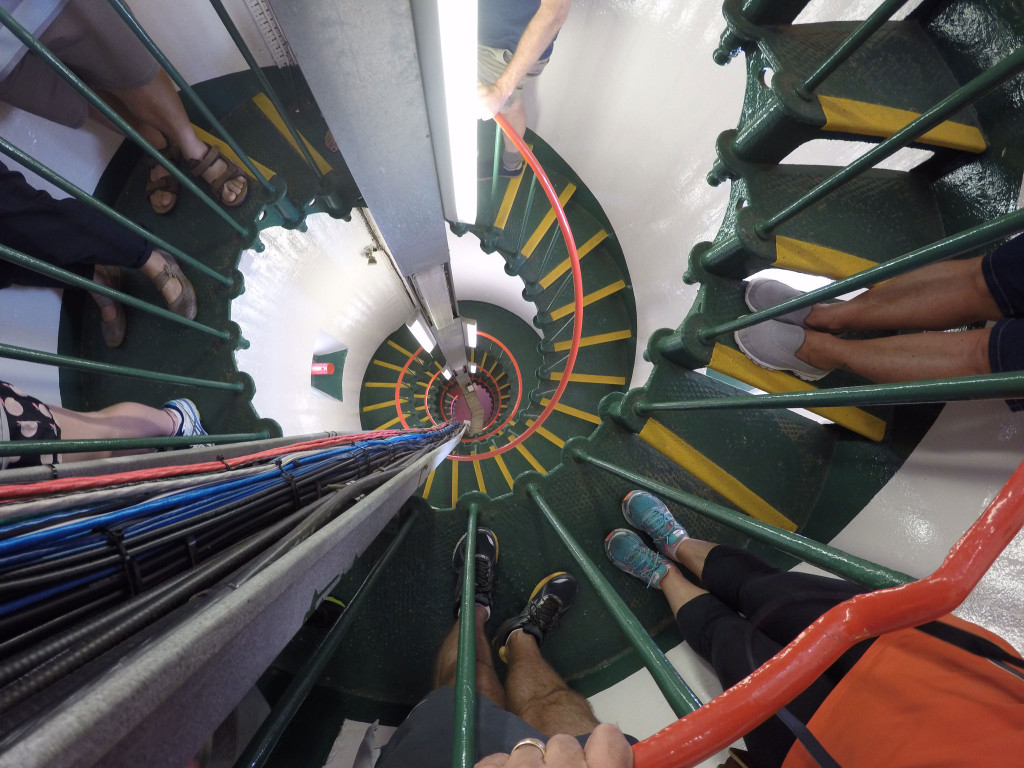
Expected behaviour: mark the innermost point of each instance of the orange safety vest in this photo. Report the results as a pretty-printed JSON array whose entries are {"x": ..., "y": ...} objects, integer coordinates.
[{"x": 914, "y": 701}]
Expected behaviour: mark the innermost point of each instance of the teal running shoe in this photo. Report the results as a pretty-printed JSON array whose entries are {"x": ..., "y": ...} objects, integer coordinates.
[
  {"x": 648, "y": 513},
  {"x": 628, "y": 553}
]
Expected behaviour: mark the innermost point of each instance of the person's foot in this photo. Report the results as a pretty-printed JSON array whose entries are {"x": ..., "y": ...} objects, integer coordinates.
[
  {"x": 647, "y": 512},
  {"x": 185, "y": 415},
  {"x": 162, "y": 187},
  {"x": 510, "y": 172},
  {"x": 551, "y": 598},
  {"x": 628, "y": 553},
  {"x": 112, "y": 315},
  {"x": 486, "y": 568},
  {"x": 773, "y": 345},
  {"x": 765, "y": 293},
  {"x": 226, "y": 179},
  {"x": 174, "y": 286}
]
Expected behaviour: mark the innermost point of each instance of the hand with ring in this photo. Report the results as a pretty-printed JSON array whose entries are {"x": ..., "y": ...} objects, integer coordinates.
[{"x": 606, "y": 748}]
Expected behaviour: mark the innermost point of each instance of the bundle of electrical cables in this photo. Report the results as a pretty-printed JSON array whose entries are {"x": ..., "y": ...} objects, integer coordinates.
[{"x": 101, "y": 564}]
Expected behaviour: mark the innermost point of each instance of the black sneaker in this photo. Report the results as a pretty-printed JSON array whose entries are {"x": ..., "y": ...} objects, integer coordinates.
[
  {"x": 550, "y": 599},
  {"x": 486, "y": 566}
]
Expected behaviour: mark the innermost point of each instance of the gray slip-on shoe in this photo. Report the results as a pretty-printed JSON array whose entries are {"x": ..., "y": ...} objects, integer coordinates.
[
  {"x": 773, "y": 345},
  {"x": 765, "y": 293}
]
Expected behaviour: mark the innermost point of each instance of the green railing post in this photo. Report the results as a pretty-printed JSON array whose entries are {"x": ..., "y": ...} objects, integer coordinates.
[
  {"x": 19, "y": 447},
  {"x": 243, "y": 49},
  {"x": 37, "y": 265},
  {"x": 91, "y": 366},
  {"x": 44, "y": 53},
  {"x": 673, "y": 687},
  {"x": 967, "y": 94},
  {"x": 962, "y": 242},
  {"x": 828, "y": 558},
  {"x": 86, "y": 199},
  {"x": 262, "y": 744},
  {"x": 530, "y": 195},
  {"x": 288, "y": 211},
  {"x": 981, "y": 387},
  {"x": 498, "y": 144},
  {"x": 464, "y": 746},
  {"x": 848, "y": 47}
]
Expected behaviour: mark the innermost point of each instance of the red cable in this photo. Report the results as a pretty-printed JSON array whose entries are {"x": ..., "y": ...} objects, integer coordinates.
[
  {"x": 68, "y": 484},
  {"x": 778, "y": 681}
]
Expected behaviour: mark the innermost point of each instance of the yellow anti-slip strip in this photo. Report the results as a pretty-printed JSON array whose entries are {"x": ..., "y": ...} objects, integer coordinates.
[
  {"x": 264, "y": 105},
  {"x": 479, "y": 477},
  {"x": 589, "y": 299},
  {"x": 401, "y": 349},
  {"x": 812, "y": 259},
  {"x": 582, "y": 251},
  {"x": 589, "y": 341},
  {"x": 509, "y": 199},
  {"x": 230, "y": 154},
  {"x": 734, "y": 363},
  {"x": 549, "y": 436},
  {"x": 546, "y": 222},
  {"x": 867, "y": 119},
  {"x": 385, "y": 404},
  {"x": 529, "y": 457},
  {"x": 383, "y": 384},
  {"x": 592, "y": 418},
  {"x": 589, "y": 378},
  {"x": 430, "y": 483},
  {"x": 455, "y": 481},
  {"x": 392, "y": 366},
  {"x": 390, "y": 424},
  {"x": 673, "y": 447},
  {"x": 504, "y": 469}
]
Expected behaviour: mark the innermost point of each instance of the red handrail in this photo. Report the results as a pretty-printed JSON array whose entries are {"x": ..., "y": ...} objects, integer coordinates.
[
  {"x": 577, "y": 286},
  {"x": 778, "y": 681}
]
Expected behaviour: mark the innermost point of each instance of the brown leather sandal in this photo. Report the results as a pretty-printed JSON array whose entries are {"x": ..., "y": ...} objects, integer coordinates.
[
  {"x": 185, "y": 304},
  {"x": 165, "y": 183},
  {"x": 231, "y": 171},
  {"x": 113, "y": 330}
]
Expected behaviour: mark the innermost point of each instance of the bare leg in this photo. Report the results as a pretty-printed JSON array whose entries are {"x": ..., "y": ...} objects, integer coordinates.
[
  {"x": 678, "y": 590},
  {"x": 117, "y": 421},
  {"x": 516, "y": 116},
  {"x": 487, "y": 683},
  {"x": 692, "y": 553},
  {"x": 940, "y": 296},
  {"x": 911, "y": 357},
  {"x": 539, "y": 696},
  {"x": 157, "y": 104}
]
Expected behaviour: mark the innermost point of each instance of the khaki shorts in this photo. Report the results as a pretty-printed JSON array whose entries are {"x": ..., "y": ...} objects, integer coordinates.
[
  {"x": 491, "y": 62},
  {"x": 92, "y": 40}
]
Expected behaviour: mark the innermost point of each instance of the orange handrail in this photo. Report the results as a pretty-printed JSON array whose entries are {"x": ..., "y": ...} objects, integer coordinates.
[
  {"x": 577, "y": 286},
  {"x": 778, "y": 681}
]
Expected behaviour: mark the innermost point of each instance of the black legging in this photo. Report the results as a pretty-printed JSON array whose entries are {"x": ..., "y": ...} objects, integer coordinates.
[
  {"x": 776, "y": 606},
  {"x": 65, "y": 233}
]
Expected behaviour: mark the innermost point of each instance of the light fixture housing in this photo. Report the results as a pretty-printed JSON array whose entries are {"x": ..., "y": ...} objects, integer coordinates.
[
  {"x": 471, "y": 335},
  {"x": 447, "y": 374},
  {"x": 472, "y": 367},
  {"x": 419, "y": 329}
]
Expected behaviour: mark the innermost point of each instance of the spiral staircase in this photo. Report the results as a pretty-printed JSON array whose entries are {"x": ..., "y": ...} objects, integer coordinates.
[{"x": 776, "y": 466}]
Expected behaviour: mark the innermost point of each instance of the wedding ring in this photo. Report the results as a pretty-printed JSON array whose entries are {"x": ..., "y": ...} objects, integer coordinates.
[{"x": 529, "y": 742}]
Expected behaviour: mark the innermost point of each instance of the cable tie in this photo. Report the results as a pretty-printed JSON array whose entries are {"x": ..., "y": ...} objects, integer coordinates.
[
  {"x": 115, "y": 537},
  {"x": 223, "y": 461},
  {"x": 291, "y": 481}
]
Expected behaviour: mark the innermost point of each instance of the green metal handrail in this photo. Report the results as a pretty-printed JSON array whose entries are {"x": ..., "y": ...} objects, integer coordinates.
[
  {"x": 85, "y": 198},
  {"x": 286, "y": 208},
  {"x": 992, "y": 386},
  {"x": 19, "y": 447},
  {"x": 91, "y": 366},
  {"x": 967, "y": 94},
  {"x": 849, "y": 46},
  {"x": 73, "y": 80},
  {"x": 673, "y": 687},
  {"x": 243, "y": 49},
  {"x": 464, "y": 745},
  {"x": 962, "y": 242},
  {"x": 262, "y": 744},
  {"x": 828, "y": 558},
  {"x": 37, "y": 265}
]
